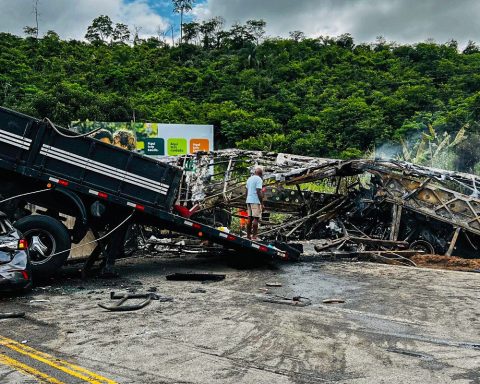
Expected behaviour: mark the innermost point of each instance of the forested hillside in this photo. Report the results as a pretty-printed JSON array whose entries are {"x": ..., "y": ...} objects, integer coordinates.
[{"x": 322, "y": 97}]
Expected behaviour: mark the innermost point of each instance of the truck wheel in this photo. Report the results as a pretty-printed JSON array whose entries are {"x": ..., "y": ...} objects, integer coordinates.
[{"x": 48, "y": 243}]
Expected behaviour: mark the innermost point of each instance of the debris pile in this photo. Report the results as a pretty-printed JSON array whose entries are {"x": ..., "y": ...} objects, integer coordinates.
[{"x": 385, "y": 208}]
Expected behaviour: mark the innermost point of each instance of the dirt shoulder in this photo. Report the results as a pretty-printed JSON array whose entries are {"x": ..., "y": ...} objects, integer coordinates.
[{"x": 452, "y": 263}]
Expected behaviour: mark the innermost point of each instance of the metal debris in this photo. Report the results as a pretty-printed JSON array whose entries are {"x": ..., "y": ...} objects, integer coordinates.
[
  {"x": 273, "y": 284},
  {"x": 198, "y": 290},
  {"x": 298, "y": 301},
  {"x": 119, "y": 306},
  {"x": 195, "y": 277},
  {"x": 12, "y": 315},
  {"x": 387, "y": 209},
  {"x": 333, "y": 301}
]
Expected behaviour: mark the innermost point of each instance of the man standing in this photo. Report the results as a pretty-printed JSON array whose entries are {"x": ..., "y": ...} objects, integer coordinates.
[{"x": 254, "y": 202}]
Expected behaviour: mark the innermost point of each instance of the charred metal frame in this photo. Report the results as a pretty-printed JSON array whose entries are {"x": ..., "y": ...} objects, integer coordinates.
[{"x": 446, "y": 200}]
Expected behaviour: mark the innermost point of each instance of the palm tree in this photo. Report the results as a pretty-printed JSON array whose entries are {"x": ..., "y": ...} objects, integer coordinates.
[{"x": 182, "y": 6}]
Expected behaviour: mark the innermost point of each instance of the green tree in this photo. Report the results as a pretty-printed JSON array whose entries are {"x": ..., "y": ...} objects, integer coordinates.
[
  {"x": 240, "y": 35},
  {"x": 257, "y": 29},
  {"x": 209, "y": 30},
  {"x": 296, "y": 36},
  {"x": 100, "y": 30},
  {"x": 468, "y": 155},
  {"x": 30, "y": 31},
  {"x": 120, "y": 33},
  {"x": 320, "y": 96},
  {"x": 190, "y": 31},
  {"x": 471, "y": 47}
]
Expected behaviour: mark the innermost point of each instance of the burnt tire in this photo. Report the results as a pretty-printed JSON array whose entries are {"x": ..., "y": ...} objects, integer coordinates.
[
  {"x": 48, "y": 243},
  {"x": 423, "y": 246}
]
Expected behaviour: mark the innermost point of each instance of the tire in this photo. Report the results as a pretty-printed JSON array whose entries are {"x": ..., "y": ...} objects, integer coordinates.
[
  {"x": 424, "y": 246},
  {"x": 48, "y": 242}
]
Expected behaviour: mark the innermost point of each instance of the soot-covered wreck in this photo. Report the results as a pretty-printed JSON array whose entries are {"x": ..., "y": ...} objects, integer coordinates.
[{"x": 361, "y": 206}]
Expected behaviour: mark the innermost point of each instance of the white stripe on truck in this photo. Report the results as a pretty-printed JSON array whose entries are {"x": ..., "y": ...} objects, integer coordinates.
[
  {"x": 16, "y": 140},
  {"x": 97, "y": 164},
  {"x": 97, "y": 167}
]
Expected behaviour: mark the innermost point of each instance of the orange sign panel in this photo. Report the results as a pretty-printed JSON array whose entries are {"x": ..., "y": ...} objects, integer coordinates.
[{"x": 199, "y": 145}]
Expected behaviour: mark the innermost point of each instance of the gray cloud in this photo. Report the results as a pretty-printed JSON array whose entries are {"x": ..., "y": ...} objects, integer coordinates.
[
  {"x": 397, "y": 20},
  {"x": 404, "y": 21},
  {"x": 70, "y": 18}
]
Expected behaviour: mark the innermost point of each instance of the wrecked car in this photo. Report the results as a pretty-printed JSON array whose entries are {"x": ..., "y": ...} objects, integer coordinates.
[{"x": 15, "y": 273}]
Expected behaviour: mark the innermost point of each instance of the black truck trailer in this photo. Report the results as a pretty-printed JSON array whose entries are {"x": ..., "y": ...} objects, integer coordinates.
[{"x": 95, "y": 182}]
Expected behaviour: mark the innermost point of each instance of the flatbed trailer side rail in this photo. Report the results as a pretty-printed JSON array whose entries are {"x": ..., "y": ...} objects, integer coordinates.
[
  {"x": 178, "y": 223},
  {"x": 167, "y": 220}
]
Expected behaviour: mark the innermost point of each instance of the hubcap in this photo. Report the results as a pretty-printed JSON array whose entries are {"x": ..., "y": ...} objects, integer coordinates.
[{"x": 38, "y": 246}]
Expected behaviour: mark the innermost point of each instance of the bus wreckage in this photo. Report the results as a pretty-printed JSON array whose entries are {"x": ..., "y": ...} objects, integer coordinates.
[{"x": 378, "y": 207}]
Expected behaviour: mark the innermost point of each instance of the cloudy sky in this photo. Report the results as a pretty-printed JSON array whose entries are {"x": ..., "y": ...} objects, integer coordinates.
[{"x": 397, "y": 20}]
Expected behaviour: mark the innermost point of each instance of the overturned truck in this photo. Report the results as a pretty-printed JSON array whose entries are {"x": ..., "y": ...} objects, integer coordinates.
[{"x": 350, "y": 205}]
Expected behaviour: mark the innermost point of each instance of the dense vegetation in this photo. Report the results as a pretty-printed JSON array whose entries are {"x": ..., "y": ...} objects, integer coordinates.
[{"x": 323, "y": 96}]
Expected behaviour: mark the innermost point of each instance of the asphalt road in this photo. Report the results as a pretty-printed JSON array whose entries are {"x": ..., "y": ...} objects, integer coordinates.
[{"x": 397, "y": 325}]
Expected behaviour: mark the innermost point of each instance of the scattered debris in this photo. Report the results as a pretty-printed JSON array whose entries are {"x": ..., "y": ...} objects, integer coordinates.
[
  {"x": 273, "y": 284},
  {"x": 406, "y": 352},
  {"x": 123, "y": 297},
  {"x": 298, "y": 301},
  {"x": 12, "y": 315},
  {"x": 470, "y": 346},
  {"x": 333, "y": 301},
  {"x": 195, "y": 277},
  {"x": 198, "y": 290}
]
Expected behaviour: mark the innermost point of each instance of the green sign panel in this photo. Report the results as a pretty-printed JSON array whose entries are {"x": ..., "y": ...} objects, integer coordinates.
[
  {"x": 176, "y": 146},
  {"x": 154, "y": 146}
]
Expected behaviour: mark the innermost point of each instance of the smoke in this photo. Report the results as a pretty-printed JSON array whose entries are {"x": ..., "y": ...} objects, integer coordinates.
[
  {"x": 399, "y": 150},
  {"x": 388, "y": 151},
  {"x": 458, "y": 151}
]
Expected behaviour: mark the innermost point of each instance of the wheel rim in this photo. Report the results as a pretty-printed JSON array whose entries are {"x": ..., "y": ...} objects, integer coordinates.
[
  {"x": 41, "y": 245},
  {"x": 423, "y": 246}
]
